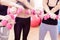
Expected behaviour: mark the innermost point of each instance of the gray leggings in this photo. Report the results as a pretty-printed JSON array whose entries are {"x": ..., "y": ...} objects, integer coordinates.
[
  {"x": 4, "y": 33},
  {"x": 53, "y": 29}
]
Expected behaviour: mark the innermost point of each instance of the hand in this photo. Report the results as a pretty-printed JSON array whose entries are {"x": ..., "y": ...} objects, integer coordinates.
[
  {"x": 7, "y": 17},
  {"x": 12, "y": 22},
  {"x": 13, "y": 10},
  {"x": 52, "y": 15},
  {"x": 40, "y": 13},
  {"x": 46, "y": 16},
  {"x": 37, "y": 12}
]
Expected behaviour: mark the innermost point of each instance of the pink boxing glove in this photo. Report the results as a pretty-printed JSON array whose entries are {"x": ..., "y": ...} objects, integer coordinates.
[
  {"x": 46, "y": 17},
  {"x": 4, "y": 22},
  {"x": 9, "y": 26},
  {"x": 41, "y": 12},
  {"x": 12, "y": 16},
  {"x": 33, "y": 11},
  {"x": 19, "y": 10},
  {"x": 57, "y": 17}
]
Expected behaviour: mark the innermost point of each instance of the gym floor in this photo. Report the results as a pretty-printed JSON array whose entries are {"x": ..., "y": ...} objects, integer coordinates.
[{"x": 33, "y": 34}]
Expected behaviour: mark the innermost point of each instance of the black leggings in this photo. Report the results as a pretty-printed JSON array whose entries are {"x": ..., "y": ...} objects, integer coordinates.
[{"x": 22, "y": 23}]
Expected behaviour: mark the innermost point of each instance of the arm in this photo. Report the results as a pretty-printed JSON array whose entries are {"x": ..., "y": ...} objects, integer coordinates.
[
  {"x": 9, "y": 3},
  {"x": 1, "y": 17},
  {"x": 56, "y": 7},
  {"x": 32, "y": 2},
  {"x": 45, "y": 6},
  {"x": 25, "y": 2}
]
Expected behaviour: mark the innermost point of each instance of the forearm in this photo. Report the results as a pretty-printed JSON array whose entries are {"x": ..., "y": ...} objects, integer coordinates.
[
  {"x": 1, "y": 17},
  {"x": 46, "y": 8},
  {"x": 27, "y": 4},
  {"x": 9, "y": 3},
  {"x": 32, "y": 2},
  {"x": 6, "y": 3},
  {"x": 56, "y": 8}
]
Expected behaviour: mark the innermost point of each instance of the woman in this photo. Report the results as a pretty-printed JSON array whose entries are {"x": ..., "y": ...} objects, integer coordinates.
[
  {"x": 51, "y": 7},
  {"x": 22, "y": 21},
  {"x": 4, "y": 4}
]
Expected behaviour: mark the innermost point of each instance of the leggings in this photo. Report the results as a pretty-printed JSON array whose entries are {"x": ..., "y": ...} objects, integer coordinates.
[
  {"x": 53, "y": 29},
  {"x": 22, "y": 23},
  {"x": 4, "y": 33}
]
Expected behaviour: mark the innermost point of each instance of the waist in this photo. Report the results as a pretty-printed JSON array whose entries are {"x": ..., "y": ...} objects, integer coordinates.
[
  {"x": 22, "y": 18},
  {"x": 19, "y": 19},
  {"x": 23, "y": 15},
  {"x": 50, "y": 21}
]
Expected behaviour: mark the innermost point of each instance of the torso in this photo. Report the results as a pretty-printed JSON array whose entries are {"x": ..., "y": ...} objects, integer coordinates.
[
  {"x": 23, "y": 14},
  {"x": 51, "y": 5}
]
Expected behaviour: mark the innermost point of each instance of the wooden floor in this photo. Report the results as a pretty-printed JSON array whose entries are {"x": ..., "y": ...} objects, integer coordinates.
[{"x": 33, "y": 34}]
